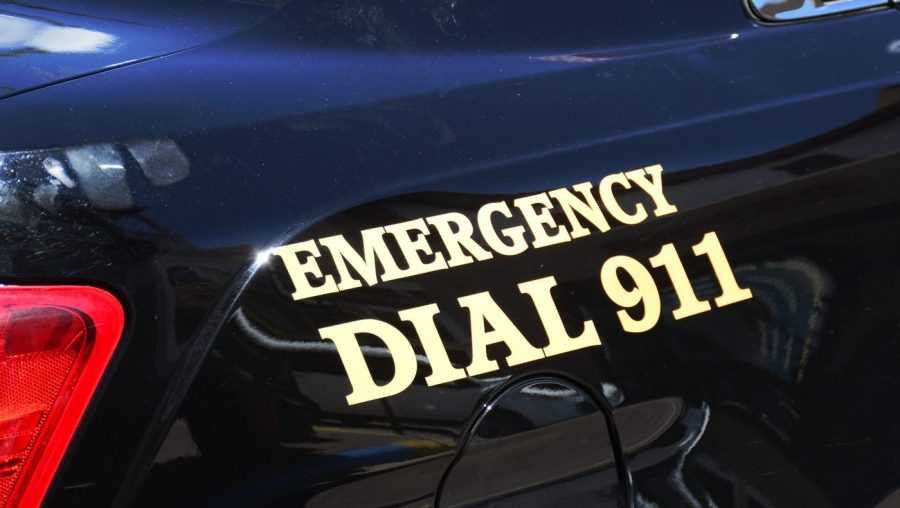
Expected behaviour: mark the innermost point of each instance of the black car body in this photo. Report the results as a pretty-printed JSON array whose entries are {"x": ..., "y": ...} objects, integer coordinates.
[{"x": 446, "y": 252}]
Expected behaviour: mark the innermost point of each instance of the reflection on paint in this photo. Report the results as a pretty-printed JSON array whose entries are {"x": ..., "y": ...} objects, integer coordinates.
[
  {"x": 55, "y": 168},
  {"x": 99, "y": 173},
  {"x": 894, "y": 47},
  {"x": 795, "y": 293},
  {"x": 20, "y": 33},
  {"x": 262, "y": 257},
  {"x": 162, "y": 162}
]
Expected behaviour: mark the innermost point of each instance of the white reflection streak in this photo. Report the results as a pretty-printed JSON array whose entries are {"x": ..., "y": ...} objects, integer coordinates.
[
  {"x": 550, "y": 393},
  {"x": 264, "y": 339},
  {"x": 678, "y": 477},
  {"x": 612, "y": 394},
  {"x": 18, "y": 33},
  {"x": 55, "y": 168},
  {"x": 262, "y": 258},
  {"x": 642, "y": 502}
]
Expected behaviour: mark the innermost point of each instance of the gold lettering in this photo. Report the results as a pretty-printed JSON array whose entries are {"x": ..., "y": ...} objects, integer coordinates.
[
  {"x": 374, "y": 249},
  {"x": 483, "y": 310},
  {"x": 731, "y": 291},
  {"x": 612, "y": 205},
  {"x": 298, "y": 270},
  {"x": 456, "y": 241},
  {"x": 560, "y": 340},
  {"x": 364, "y": 387},
  {"x": 442, "y": 371},
  {"x": 689, "y": 304},
  {"x": 644, "y": 290},
  {"x": 654, "y": 188},
  {"x": 412, "y": 247},
  {"x": 588, "y": 209},
  {"x": 516, "y": 234},
  {"x": 541, "y": 222}
]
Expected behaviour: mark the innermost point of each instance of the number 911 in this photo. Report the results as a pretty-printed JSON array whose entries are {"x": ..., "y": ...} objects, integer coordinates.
[{"x": 639, "y": 288}]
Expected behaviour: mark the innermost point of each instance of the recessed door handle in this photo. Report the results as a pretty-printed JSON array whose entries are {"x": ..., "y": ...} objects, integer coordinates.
[{"x": 795, "y": 10}]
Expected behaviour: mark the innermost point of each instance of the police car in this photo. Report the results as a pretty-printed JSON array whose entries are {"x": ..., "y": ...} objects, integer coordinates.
[{"x": 450, "y": 253}]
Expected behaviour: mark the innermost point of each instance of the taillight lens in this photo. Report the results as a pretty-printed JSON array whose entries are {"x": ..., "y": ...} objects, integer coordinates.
[{"x": 55, "y": 343}]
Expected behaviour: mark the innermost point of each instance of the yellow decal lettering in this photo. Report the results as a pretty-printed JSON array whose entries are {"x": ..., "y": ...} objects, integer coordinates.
[
  {"x": 456, "y": 241},
  {"x": 411, "y": 236},
  {"x": 560, "y": 340},
  {"x": 374, "y": 249},
  {"x": 690, "y": 305},
  {"x": 442, "y": 371},
  {"x": 299, "y": 270},
  {"x": 588, "y": 209},
  {"x": 515, "y": 234},
  {"x": 483, "y": 310},
  {"x": 644, "y": 291},
  {"x": 459, "y": 240},
  {"x": 653, "y": 188},
  {"x": 540, "y": 222},
  {"x": 731, "y": 291},
  {"x": 345, "y": 337},
  {"x": 612, "y": 204}
]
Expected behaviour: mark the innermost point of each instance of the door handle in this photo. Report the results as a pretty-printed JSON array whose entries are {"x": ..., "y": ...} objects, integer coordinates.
[{"x": 796, "y": 10}]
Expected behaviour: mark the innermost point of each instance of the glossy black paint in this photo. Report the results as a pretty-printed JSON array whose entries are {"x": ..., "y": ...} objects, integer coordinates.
[
  {"x": 332, "y": 116},
  {"x": 556, "y": 436},
  {"x": 50, "y": 42}
]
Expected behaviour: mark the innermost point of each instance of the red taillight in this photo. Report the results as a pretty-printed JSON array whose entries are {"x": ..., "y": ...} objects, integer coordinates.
[{"x": 55, "y": 343}]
